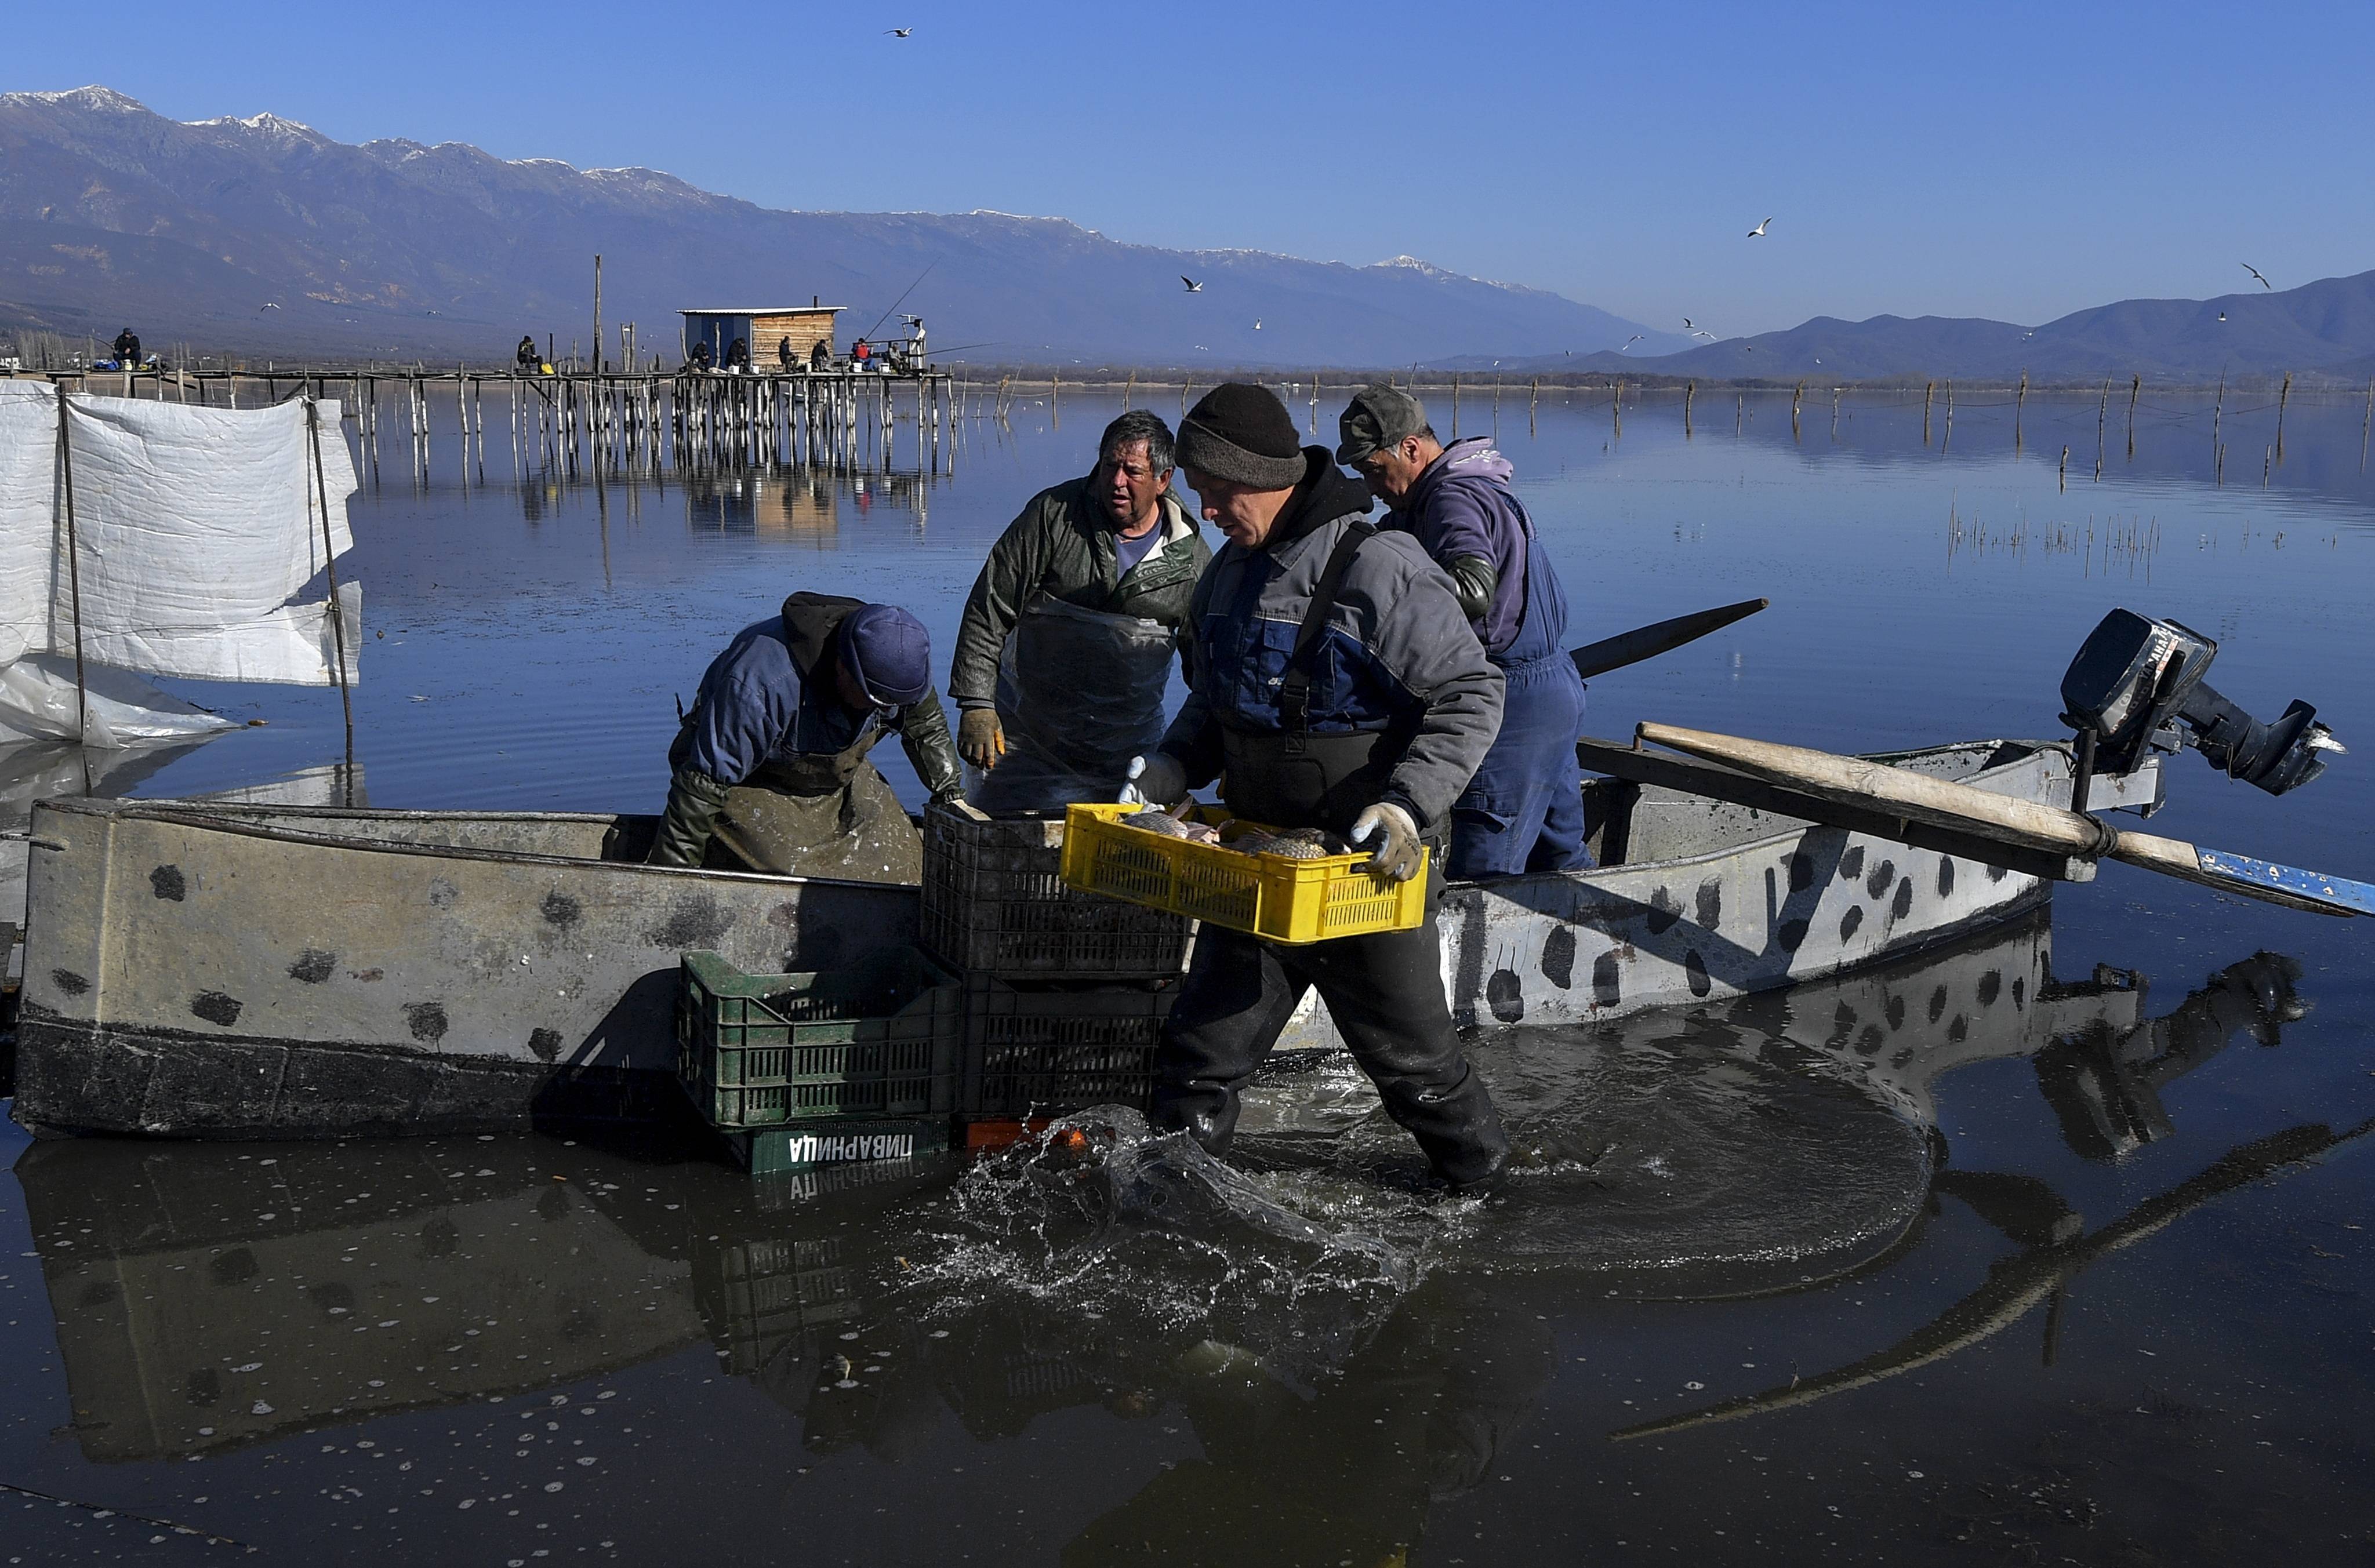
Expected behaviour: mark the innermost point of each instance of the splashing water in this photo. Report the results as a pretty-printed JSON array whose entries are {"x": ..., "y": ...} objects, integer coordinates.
[{"x": 1131, "y": 1239}]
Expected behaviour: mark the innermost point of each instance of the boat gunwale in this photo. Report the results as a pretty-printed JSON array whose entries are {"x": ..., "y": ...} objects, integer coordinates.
[
  {"x": 1727, "y": 850},
  {"x": 227, "y": 819},
  {"x": 160, "y": 812}
]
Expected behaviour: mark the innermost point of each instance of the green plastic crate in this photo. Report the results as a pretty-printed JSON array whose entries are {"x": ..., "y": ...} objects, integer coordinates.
[{"x": 878, "y": 1039}]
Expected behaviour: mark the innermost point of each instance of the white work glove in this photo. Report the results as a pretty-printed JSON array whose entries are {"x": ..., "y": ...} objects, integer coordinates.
[
  {"x": 1397, "y": 855},
  {"x": 1156, "y": 779}
]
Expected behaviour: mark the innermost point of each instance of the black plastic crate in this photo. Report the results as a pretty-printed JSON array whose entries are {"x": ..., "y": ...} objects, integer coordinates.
[
  {"x": 1040, "y": 1050},
  {"x": 878, "y": 1039},
  {"x": 994, "y": 904}
]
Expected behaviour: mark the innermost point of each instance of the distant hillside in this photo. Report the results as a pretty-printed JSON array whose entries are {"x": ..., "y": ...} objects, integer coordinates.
[
  {"x": 111, "y": 215},
  {"x": 2323, "y": 328}
]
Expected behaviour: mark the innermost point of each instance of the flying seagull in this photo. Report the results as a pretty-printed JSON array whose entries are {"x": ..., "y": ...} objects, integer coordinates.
[
  {"x": 1193, "y": 286},
  {"x": 1702, "y": 332},
  {"x": 2255, "y": 272},
  {"x": 1689, "y": 325},
  {"x": 897, "y": 32},
  {"x": 1758, "y": 232},
  {"x": 1629, "y": 342},
  {"x": 267, "y": 306},
  {"x": 1257, "y": 325}
]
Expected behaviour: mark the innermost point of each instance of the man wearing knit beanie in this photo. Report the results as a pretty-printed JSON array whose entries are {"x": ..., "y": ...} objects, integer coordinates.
[
  {"x": 1242, "y": 433},
  {"x": 1333, "y": 683}
]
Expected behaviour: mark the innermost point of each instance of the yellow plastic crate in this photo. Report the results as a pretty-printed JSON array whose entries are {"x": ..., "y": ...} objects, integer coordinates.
[{"x": 1269, "y": 896}]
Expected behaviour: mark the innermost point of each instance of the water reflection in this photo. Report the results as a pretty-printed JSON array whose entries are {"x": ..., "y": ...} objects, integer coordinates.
[{"x": 1340, "y": 1354}]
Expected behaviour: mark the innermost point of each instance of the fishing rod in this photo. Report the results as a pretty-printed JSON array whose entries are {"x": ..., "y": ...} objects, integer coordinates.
[{"x": 903, "y": 297}]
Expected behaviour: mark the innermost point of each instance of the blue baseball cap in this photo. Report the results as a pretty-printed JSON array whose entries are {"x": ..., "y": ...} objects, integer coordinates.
[{"x": 889, "y": 653}]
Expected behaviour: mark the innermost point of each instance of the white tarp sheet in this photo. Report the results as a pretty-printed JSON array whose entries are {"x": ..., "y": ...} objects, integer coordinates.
[{"x": 195, "y": 528}]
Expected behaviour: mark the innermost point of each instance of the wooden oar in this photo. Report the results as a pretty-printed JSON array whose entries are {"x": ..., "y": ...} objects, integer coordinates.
[
  {"x": 1649, "y": 642},
  {"x": 1858, "y": 783}
]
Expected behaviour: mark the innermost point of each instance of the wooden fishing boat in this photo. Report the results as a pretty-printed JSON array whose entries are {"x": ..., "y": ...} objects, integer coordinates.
[{"x": 213, "y": 970}]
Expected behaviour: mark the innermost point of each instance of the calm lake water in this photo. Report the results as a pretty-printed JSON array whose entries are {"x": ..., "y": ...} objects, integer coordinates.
[{"x": 2096, "y": 1289}]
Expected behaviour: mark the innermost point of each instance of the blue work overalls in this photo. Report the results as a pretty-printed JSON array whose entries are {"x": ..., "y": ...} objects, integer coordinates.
[{"x": 1523, "y": 811}]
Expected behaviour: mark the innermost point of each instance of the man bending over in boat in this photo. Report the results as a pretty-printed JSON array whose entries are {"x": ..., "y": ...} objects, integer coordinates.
[
  {"x": 770, "y": 766},
  {"x": 1523, "y": 811},
  {"x": 1334, "y": 682}
]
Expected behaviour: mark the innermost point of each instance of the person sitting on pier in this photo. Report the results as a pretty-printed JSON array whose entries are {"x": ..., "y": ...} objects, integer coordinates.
[
  {"x": 698, "y": 358},
  {"x": 524, "y": 358},
  {"x": 770, "y": 771},
  {"x": 858, "y": 354},
  {"x": 820, "y": 357},
  {"x": 1070, "y": 632},
  {"x": 784, "y": 354},
  {"x": 738, "y": 355},
  {"x": 128, "y": 349}
]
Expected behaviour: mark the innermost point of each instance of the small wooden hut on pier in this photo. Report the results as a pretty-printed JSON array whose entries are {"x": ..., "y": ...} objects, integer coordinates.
[{"x": 776, "y": 335}]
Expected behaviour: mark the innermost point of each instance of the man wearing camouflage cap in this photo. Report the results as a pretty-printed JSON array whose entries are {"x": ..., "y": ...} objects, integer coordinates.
[{"x": 1523, "y": 811}]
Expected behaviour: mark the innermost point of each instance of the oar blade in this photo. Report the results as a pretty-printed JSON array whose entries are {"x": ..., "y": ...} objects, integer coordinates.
[
  {"x": 1649, "y": 642},
  {"x": 2298, "y": 889}
]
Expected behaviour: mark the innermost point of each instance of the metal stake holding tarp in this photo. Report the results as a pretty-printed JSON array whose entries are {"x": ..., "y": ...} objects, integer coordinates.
[{"x": 337, "y": 612}]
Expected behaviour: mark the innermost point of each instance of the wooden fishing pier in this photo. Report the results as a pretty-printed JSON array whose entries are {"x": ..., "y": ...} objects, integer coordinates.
[{"x": 611, "y": 422}]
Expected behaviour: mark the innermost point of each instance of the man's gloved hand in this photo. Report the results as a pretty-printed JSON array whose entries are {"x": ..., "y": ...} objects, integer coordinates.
[
  {"x": 1156, "y": 779},
  {"x": 1398, "y": 852},
  {"x": 693, "y": 804},
  {"x": 981, "y": 738}
]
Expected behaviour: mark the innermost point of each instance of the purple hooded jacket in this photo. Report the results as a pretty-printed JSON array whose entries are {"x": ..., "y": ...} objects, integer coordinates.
[{"x": 1463, "y": 506}]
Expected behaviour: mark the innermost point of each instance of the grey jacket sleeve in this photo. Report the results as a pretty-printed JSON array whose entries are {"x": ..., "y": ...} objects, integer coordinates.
[
  {"x": 1421, "y": 637},
  {"x": 1193, "y": 737},
  {"x": 1014, "y": 567}
]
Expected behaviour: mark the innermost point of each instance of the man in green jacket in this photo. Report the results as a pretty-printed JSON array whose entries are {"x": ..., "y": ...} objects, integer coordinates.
[{"x": 1068, "y": 637}]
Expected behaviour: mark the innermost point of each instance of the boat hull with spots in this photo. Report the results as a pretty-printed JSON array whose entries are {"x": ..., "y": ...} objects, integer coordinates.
[
  {"x": 202, "y": 970},
  {"x": 1698, "y": 899},
  {"x": 210, "y": 970}
]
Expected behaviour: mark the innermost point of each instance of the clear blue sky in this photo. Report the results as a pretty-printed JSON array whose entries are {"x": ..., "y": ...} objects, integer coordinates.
[{"x": 2015, "y": 161}]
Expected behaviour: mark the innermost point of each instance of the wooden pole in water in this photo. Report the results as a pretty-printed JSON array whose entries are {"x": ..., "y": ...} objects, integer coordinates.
[
  {"x": 1947, "y": 436},
  {"x": 1928, "y": 391},
  {"x": 1835, "y": 411},
  {"x": 2102, "y": 412},
  {"x": 1796, "y": 397},
  {"x": 2217, "y": 412},
  {"x": 1616, "y": 408},
  {"x": 73, "y": 583},
  {"x": 2135, "y": 387},
  {"x": 1455, "y": 404},
  {"x": 2283, "y": 397},
  {"x": 597, "y": 313},
  {"x": 1739, "y": 410},
  {"x": 1690, "y": 391},
  {"x": 337, "y": 615},
  {"x": 2062, "y": 477},
  {"x": 2019, "y": 406},
  {"x": 2367, "y": 425}
]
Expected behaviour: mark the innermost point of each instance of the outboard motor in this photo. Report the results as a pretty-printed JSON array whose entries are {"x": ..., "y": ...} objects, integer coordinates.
[{"x": 2136, "y": 685}]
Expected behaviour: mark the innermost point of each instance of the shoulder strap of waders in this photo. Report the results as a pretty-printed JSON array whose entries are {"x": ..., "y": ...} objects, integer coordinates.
[{"x": 1295, "y": 690}]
